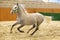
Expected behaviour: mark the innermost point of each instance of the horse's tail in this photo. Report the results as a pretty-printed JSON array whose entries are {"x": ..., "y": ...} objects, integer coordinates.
[{"x": 48, "y": 19}]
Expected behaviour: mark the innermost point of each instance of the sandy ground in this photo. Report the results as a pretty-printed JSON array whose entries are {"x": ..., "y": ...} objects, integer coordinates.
[{"x": 47, "y": 31}]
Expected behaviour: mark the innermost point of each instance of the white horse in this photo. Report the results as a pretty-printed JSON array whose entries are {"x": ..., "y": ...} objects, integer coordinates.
[{"x": 24, "y": 18}]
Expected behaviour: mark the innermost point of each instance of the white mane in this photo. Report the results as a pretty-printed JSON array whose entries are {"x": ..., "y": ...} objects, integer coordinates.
[{"x": 23, "y": 7}]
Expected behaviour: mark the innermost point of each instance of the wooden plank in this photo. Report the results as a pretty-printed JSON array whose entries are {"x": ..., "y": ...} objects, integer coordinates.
[{"x": 6, "y": 16}]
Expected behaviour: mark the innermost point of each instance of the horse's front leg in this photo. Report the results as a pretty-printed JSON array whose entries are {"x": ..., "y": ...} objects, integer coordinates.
[
  {"x": 19, "y": 28},
  {"x": 13, "y": 26}
]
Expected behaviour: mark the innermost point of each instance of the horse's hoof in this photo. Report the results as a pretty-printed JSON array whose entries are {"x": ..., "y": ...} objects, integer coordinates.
[
  {"x": 31, "y": 34},
  {"x": 27, "y": 32},
  {"x": 22, "y": 31},
  {"x": 10, "y": 32}
]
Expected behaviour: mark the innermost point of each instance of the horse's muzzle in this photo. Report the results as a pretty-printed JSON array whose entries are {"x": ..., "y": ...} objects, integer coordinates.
[{"x": 11, "y": 12}]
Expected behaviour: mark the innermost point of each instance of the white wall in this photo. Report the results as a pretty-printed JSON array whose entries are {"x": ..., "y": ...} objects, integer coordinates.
[{"x": 29, "y": 3}]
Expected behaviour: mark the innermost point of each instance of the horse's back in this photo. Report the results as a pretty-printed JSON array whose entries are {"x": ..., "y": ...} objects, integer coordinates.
[{"x": 39, "y": 17}]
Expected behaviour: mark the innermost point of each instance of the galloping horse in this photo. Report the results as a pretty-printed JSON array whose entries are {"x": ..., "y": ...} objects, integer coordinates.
[{"x": 24, "y": 18}]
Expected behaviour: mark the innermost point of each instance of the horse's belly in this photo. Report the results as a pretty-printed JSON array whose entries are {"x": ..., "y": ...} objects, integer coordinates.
[{"x": 29, "y": 21}]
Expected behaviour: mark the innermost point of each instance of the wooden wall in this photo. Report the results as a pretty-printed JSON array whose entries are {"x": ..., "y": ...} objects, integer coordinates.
[
  {"x": 43, "y": 10},
  {"x": 6, "y": 16}
]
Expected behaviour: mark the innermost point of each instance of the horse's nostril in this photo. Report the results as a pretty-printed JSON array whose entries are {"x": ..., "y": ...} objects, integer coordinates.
[{"x": 11, "y": 12}]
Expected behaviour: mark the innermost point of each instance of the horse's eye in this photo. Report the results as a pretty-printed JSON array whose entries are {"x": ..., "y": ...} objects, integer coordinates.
[{"x": 15, "y": 7}]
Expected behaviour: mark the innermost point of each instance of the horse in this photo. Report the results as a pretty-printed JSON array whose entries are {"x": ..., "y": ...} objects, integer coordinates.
[{"x": 24, "y": 18}]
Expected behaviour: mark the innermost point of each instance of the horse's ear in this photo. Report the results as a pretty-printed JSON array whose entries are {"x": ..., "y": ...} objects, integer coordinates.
[{"x": 17, "y": 3}]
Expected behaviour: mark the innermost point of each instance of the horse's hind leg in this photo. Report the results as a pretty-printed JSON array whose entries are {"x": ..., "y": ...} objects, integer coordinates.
[
  {"x": 31, "y": 28},
  {"x": 19, "y": 28},
  {"x": 35, "y": 29},
  {"x": 13, "y": 26}
]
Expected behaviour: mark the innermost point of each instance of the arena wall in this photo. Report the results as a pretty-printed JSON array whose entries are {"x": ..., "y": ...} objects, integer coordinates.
[{"x": 31, "y": 6}]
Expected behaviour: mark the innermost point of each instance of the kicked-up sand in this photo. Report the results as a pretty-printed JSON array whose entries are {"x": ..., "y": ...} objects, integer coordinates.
[{"x": 47, "y": 31}]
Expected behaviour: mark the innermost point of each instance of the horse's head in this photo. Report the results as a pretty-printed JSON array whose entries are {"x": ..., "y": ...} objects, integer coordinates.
[{"x": 14, "y": 9}]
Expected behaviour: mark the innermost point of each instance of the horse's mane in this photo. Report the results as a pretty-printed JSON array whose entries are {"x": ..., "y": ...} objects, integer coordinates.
[{"x": 23, "y": 7}]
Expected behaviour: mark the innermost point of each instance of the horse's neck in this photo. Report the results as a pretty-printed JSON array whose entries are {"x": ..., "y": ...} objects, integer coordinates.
[{"x": 23, "y": 12}]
